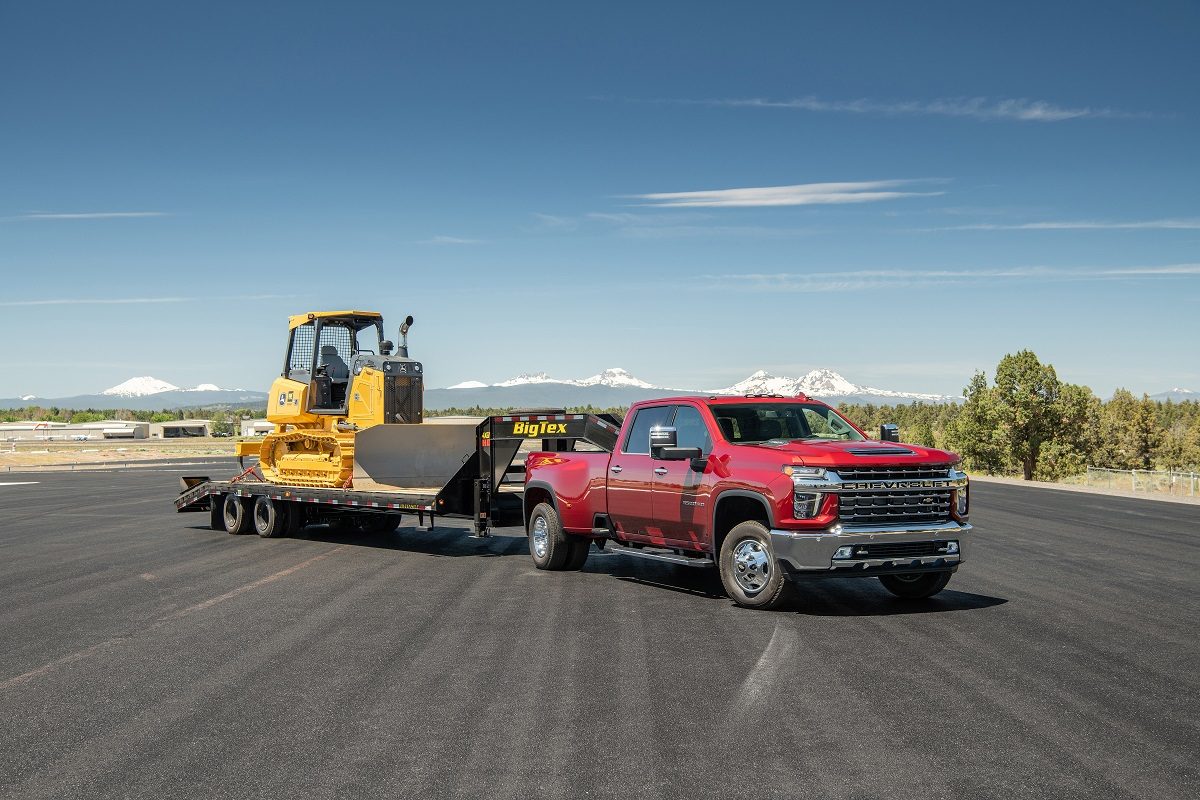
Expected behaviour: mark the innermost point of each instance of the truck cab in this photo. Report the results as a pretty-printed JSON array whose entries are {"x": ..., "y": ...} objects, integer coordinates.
[{"x": 770, "y": 490}]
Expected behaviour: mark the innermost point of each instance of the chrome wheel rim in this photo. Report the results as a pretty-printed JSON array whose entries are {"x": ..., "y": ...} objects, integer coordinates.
[
  {"x": 540, "y": 537},
  {"x": 751, "y": 566}
]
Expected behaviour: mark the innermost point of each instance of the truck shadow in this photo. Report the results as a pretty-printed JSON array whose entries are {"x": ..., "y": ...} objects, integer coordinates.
[
  {"x": 826, "y": 598},
  {"x": 842, "y": 598}
]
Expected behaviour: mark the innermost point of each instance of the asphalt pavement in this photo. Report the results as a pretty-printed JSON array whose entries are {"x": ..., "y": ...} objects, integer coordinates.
[{"x": 146, "y": 656}]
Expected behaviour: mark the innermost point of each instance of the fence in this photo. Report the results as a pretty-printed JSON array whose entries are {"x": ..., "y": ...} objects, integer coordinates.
[{"x": 1179, "y": 484}]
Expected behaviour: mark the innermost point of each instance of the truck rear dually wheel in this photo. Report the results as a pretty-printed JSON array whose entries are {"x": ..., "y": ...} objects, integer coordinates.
[
  {"x": 916, "y": 586},
  {"x": 751, "y": 575},
  {"x": 550, "y": 547}
]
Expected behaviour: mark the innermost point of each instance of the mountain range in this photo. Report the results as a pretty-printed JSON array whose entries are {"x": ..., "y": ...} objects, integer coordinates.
[{"x": 613, "y": 387}]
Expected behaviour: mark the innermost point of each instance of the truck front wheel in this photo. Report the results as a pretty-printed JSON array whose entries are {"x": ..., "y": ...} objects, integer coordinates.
[
  {"x": 916, "y": 586},
  {"x": 549, "y": 546},
  {"x": 749, "y": 571}
]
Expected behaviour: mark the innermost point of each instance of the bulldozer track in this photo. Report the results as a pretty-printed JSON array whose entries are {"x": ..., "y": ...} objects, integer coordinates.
[{"x": 308, "y": 457}]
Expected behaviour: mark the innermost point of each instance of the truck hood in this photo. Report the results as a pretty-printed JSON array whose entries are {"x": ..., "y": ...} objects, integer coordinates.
[{"x": 827, "y": 453}]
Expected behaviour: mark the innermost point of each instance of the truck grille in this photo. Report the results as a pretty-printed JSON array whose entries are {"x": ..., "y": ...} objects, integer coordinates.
[
  {"x": 891, "y": 508},
  {"x": 403, "y": 398},
  {"x": 892, "y": 473},
  {"x": 900, "y": 550}
]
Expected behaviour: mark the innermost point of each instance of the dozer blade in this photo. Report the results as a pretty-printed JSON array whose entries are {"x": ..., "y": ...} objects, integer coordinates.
[{"x": 424, "y": 456}]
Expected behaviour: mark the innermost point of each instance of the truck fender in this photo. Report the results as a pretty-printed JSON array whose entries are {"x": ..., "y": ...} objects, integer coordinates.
[
  {"x": 527, "y": 503},
  {"x": 714, "y": 530}
]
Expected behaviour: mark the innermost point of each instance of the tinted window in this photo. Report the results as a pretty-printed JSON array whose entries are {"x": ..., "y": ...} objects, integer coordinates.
[
  {"x": 638, "y": 440},
  {"x": 691, "y": 429},
  {"x": 761, "y": 422}
]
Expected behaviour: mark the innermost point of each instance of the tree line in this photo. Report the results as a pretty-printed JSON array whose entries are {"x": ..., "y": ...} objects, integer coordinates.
[
  {"x": 1024, "y": 421},
  {"x": 1028, "y": 422}
]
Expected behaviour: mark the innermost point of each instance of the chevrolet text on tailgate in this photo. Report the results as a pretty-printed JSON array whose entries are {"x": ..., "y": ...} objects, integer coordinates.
[{"x": 768, "y": 489}]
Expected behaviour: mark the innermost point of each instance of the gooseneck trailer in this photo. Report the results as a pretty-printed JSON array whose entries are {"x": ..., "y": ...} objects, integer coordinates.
[{"x": 446, "y": 467}]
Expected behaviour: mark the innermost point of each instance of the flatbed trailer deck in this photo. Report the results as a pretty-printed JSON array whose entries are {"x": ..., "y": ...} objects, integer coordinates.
[{"x": 488, "y": 487}]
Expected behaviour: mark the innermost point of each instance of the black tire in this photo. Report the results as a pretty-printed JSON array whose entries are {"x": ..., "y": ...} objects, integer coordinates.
[
  {"x": 751, "y": 575},
  {"x": 377, "y": 523},
  {"x": 216, "y": 512},
  {"x": 916, "y": 586},
  {"x": 577, "y": 552},
  {"x": 295, "y": 518},
  {"x": 236, "y": 513},
  {"x": 548, "y": 545},
  {"x": 270, "y": 517}
]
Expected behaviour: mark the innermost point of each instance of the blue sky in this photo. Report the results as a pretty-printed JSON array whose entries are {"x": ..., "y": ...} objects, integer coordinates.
[{"x": 551, "y": 187}]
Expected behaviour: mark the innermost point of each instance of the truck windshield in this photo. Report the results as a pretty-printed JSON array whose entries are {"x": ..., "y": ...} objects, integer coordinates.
[{"x": 763, "y": 422}]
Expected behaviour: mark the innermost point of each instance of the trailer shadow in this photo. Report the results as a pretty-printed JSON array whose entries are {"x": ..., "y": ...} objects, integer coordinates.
[{"x": 444, "y": 542}]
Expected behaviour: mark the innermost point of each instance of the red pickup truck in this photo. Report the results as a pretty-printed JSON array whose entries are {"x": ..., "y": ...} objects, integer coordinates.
[{"x": 768, "y": 489}]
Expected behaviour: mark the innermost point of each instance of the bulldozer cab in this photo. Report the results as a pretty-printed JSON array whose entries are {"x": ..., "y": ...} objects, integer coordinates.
[{"x": 322, "y": 346}]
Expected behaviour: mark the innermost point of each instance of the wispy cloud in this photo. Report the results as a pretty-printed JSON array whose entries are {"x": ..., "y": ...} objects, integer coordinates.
[
  {"x": 125, "y": 301},
  {"x": 1078, "y": 225},
  {"x": 978, "y": 108},
  {"x": 556, "y": 222},
  {"x": 90, "y": 215},
  {"x": 449, "y": 240},
  {"x": 795, "y": 195},
  {"x": 855, "y": 280}
]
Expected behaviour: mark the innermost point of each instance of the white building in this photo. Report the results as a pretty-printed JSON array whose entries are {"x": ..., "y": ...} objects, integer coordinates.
[
  {"x": 30, "y": 430},
  {"x": 256, "y": 427},
  {"x": 181, "y": 429}
]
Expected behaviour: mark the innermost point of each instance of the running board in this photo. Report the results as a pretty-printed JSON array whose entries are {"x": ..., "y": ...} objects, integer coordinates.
[{"x": 657, "y": 555}]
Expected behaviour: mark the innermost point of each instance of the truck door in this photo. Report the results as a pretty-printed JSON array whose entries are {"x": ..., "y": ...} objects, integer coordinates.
[
  {"x": 631, "y": 475},
  {"x": 680, "y": 500}
]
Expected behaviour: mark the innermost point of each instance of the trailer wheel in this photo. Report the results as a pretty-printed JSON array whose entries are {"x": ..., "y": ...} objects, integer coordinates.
[
  {"x": 216, "y": 512},
  {"x": 916, "y": 586},
  {"x": 236, "y": 514},
  {"x": 270, "y": 517},
  {"x": 751, "y": 575},
  {"x": 579, "y": 549},
  {"x": 548, "y": 545},
  {"x": 295, "y": 518}
]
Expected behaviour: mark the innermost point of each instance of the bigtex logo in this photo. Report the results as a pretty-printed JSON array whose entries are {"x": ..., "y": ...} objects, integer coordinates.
[{"x": 534, "y": 429}]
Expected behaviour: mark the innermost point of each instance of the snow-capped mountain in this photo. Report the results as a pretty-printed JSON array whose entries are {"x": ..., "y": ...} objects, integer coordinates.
[
  {"x": 614, "y": 376},
  {"x": 615, "y": 386},
  {"x": 820, "y": 383},
  {"x": 140, "y": 387},
  {"x": 1177, "y": 395}
]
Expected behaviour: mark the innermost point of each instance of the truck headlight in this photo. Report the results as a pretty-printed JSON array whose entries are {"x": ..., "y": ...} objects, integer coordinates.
[
  {"x": 806, "y": 504},
  {"x": 964, "y": 503}
]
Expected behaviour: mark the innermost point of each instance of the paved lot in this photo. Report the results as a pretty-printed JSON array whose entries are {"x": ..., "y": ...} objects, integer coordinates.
[{"x": 147, "y": 656}]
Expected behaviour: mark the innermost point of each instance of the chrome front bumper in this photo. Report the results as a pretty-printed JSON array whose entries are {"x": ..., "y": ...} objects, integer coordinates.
[{"x": 812, "y": 551}]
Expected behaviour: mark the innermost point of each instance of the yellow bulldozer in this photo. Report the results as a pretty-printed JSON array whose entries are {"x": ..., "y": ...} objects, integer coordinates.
[{"x": 340, "y": 380}]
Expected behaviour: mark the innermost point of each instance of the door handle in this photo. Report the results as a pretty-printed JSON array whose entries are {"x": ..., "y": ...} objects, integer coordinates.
[
  {"x": 660, "y": 471},
  {"x": 614, "y": 469}
]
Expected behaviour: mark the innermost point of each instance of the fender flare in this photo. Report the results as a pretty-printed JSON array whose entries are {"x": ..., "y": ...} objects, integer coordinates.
[
  {"x": 527, "y": 508},
  {"x": 753, "y": 495}
]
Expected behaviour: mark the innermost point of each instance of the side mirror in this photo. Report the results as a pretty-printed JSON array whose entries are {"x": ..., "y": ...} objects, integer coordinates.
[
  {"x": 889, "y": 432},
  {"x": 662, "y": 437},
  {"x": 385, "y": 348}
]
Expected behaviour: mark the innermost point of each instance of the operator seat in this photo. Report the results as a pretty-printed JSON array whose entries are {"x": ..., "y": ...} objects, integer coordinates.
[{"x": 335, "y": 367}]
